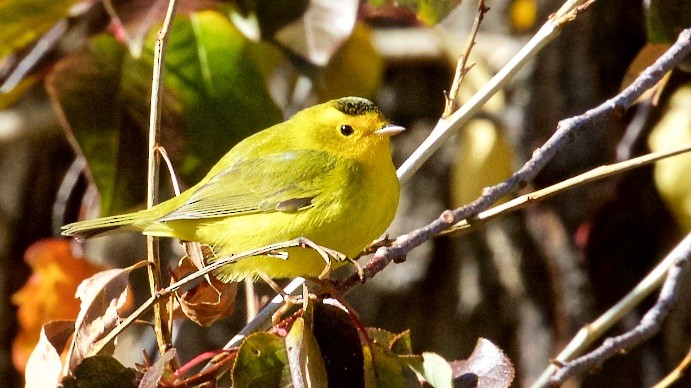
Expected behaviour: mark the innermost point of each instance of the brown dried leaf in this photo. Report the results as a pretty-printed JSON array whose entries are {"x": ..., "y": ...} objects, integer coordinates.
[
  {"x": 101, "y": 295},
  {"x": 209, "y": 300},
  {"x": 44, "y": 365},
  {"x": 487, "y": 365}
]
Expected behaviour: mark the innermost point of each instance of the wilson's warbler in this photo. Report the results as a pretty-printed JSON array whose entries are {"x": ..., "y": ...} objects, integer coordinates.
[{"x": 326, "y": 174}]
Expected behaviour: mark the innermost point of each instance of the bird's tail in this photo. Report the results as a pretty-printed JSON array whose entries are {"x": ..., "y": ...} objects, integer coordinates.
[{"x": 107, "y": 225}]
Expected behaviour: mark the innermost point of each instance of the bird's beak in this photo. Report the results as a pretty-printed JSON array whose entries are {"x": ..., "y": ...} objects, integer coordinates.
[{"x": 389, "y": 130}]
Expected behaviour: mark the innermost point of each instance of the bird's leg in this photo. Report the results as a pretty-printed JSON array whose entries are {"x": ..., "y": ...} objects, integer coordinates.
[
  {"x": 326, "y": 254},
  {"x": 288, "y": 300},
  {"x": 358, "y": 267}
]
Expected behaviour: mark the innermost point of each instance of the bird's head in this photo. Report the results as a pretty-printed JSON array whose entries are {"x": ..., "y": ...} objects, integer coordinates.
[{"x": 352, "y": 127}]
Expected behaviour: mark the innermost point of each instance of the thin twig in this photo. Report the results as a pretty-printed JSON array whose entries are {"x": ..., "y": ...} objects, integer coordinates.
[
  {"x": 229, "y": 260},
  {"x": 675, "y": 264},
  {"x": 446, "y": 127},
  {"x": 163, "y": 335},
  {"x": 462, "y": 68},
  {"x": 581, "y": 179},
  {"x": 566, "y": 130}
]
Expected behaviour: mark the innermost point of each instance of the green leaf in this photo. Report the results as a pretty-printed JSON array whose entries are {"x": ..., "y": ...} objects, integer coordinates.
[
  {"x": 101, "y": 372},
  {"x": 428, "y": 11},
  {"x": 91, "y": 90},
  {"x": 260, "y": 361},
  {"x": 434, "y": 369},
  {"x": 212, "y": 98},
  {"x": 398, "y": 343},
  {"x": 223, "y": 95},
  {"x": 391, "y": 370},
  {"x": 23, "y": 21},
  {"x": 305, "y": 360}
]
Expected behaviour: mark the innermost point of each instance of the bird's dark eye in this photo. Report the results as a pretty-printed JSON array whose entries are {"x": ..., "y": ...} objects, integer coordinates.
[{"x": 347, "y": 130}]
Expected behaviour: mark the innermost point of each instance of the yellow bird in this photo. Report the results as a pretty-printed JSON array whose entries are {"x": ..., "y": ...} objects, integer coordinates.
[{"x": 326, "y": 175}]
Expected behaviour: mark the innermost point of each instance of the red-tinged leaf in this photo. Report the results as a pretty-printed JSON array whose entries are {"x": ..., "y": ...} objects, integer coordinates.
[
  {"x": 209, "y": 300},
  {"x": 134, "y": 19},
  {"x": 101, "y": 295},
  {"x": 98, "y": 92},
  {"x": 260, "y": 362},
  {"x": 323, "y": 28},
  {"x": 152, "y": 377},
  {"x": 305, "y": 360},
  {"x": 487, "y": 364},
  {"x": 49, "y": 293},
  {"x": 23, "y": 21},
  {"x": 101, "y": 371},
  {"x": 44, "y": 365}
]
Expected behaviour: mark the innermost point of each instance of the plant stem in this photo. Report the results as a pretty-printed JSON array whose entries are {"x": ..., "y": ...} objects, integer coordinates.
[{"x": 163, "y": 333}]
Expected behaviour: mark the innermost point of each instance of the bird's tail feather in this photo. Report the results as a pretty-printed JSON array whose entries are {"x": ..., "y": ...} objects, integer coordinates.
[{"x": 103, "y": 226}]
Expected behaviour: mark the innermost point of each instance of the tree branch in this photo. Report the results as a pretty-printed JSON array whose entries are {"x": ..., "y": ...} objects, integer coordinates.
[{"x": 650, "y": 324}]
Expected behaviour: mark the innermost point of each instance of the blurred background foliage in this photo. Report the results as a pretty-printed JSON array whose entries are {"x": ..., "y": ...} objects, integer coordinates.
[{"x": 74, "y": 93}]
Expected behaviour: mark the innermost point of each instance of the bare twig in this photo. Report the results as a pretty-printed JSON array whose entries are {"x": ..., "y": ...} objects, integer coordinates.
[
  {"x": 566, "y": 130},
  {"x": 163, "y": 335},
  {"x": 462, "y": 68},
  {"x": 262, "y": 320},
  {"x": 587, "y": 177},
  {"x": 448, "y": 126},
  {"x": 650, "y": 324}
]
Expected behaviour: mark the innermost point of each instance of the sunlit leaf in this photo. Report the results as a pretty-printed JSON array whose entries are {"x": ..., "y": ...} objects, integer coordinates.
[
  {"x": 428, "y": 11},
  {"x": 484, "y": 159},
  {"x": 305, "y": 360},
  {"x": 101, "y": 371},
  {"x": 433, "y": 368},
  {"x": 260, "y": 361},
  {"x": 673, "y": 175},
  {"x": 322, "y": 29},
  {"x": 44, "y": 365},
  {"x": 48, "y": 294},
  {"x": 357, "y": 69},
  {"x": 487, "y": 365},
  {"x": 523, "y": 14},
  {"x": 23, "y": 21},
  {"x": 224, "y": 97},
  {"x": 213, "y": 97}
]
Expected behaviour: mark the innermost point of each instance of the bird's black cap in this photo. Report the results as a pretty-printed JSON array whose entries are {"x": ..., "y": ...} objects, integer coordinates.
[{"x": 355, "y": 106}]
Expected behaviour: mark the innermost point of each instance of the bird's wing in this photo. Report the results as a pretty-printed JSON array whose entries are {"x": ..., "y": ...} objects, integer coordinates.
[{"x": 286, "y": 181}]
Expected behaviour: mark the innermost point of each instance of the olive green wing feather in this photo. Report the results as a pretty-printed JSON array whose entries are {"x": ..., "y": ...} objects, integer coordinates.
[{"x": 286, "y": 181}]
